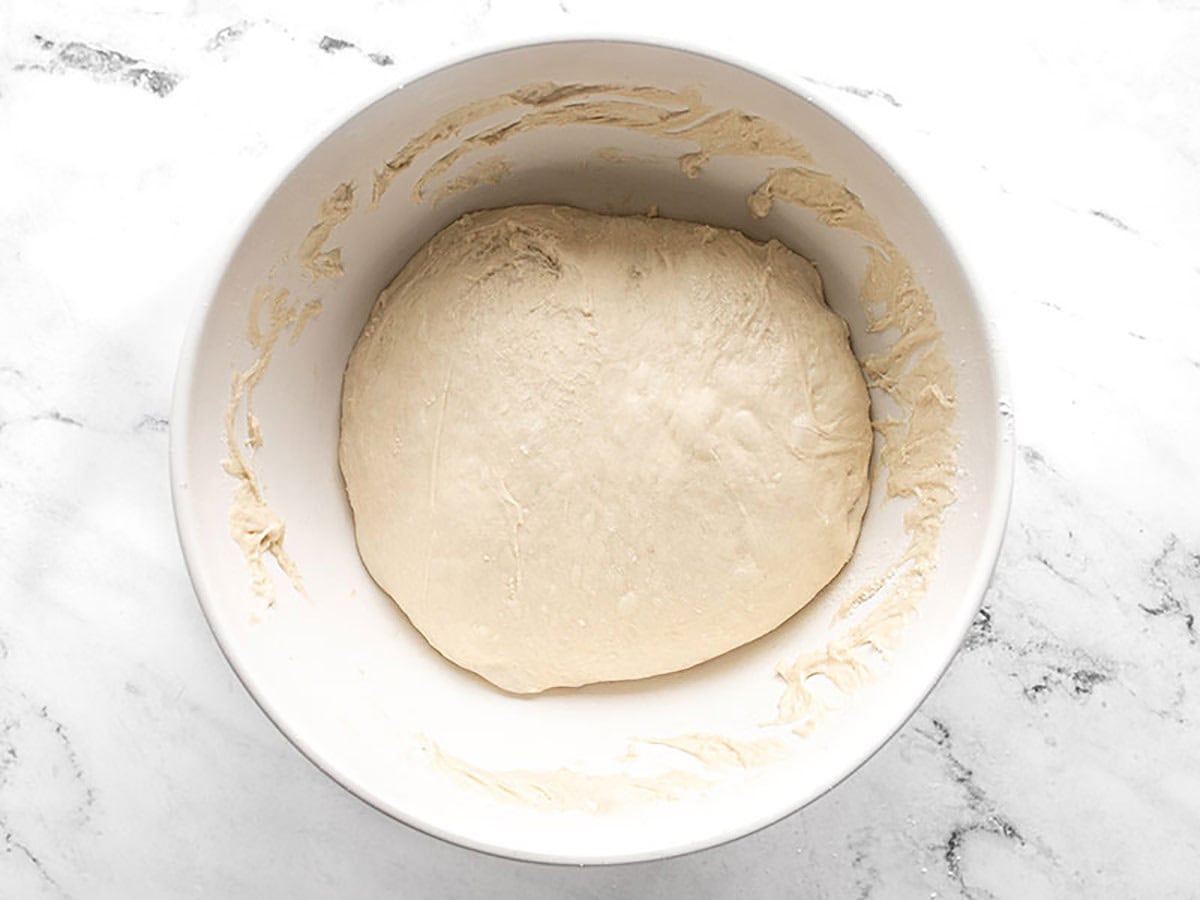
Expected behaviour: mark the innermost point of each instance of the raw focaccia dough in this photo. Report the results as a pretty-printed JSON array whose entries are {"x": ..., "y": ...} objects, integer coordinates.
[{"x": 588, "y": 448}]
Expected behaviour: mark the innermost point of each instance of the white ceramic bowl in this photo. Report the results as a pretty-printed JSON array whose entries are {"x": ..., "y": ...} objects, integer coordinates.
[{"x": 343, "y": 674}]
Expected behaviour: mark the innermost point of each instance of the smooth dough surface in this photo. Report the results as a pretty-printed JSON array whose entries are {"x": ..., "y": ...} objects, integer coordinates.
[{"x": 586, "y": 448}]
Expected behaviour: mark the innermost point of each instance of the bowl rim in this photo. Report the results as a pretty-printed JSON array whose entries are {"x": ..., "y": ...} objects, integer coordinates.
[{"x": 977, "y": 583}]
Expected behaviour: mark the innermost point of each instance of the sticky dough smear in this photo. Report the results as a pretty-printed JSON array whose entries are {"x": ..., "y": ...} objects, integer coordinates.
[{"x": 586, "y": 448}]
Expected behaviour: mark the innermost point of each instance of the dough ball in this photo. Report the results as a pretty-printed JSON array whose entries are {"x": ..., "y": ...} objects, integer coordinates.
[{"x": 586, "y": 448}]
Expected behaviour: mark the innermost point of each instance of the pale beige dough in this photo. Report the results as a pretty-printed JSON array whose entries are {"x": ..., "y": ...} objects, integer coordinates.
[{"x": 586, "y": 448}]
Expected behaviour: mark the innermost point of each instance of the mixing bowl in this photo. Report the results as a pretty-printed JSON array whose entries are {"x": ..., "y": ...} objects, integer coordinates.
[{"x": 612, "y": 772}]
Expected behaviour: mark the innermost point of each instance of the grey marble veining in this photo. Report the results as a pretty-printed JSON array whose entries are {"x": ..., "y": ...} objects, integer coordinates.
[
  {"x": 1058, "y": 756},
  {"x": 103, "y": 65}
]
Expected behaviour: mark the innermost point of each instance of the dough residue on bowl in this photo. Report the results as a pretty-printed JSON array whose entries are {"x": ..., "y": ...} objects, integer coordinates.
[
  {"x": 913, "y": 378},
  {"x": 273, "y": 313},
  {"x": 574, "y": 789}
]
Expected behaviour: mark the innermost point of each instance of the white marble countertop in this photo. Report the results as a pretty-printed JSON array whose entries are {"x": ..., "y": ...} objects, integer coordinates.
[{"x": 1058, "y": 757}]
